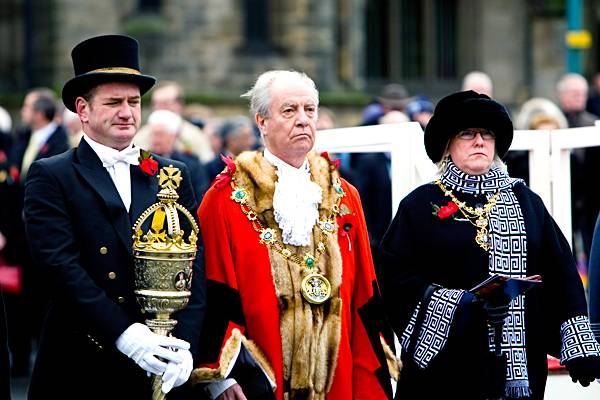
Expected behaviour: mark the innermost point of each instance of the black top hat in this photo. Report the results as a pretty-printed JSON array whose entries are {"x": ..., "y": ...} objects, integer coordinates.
[
  {"x": 102, "y": 59},
  {"x": 463, "y": 110}
]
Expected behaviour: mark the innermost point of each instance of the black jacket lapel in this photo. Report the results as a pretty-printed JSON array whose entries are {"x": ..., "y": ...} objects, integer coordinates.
[{"x": 89, "y": 166}]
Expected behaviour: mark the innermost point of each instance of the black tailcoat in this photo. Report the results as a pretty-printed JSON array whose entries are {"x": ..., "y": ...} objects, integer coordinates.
[{"x": 80, "y": 234}]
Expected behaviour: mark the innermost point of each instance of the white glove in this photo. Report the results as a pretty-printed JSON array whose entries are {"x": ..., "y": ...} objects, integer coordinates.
[
  {"x": 144, "y": 347},
  {"x": 177, "y": 373}
]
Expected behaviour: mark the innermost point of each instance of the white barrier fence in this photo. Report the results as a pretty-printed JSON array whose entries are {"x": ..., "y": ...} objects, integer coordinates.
[{"x": 549, "y": 162}]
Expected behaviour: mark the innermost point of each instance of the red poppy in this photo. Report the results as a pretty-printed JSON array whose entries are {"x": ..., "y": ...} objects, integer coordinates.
[
  {"x": 345, "y": 223},
  {"x": 43, "y": 149},
  {"x": 225, "y": 176},
  {"x": 334, "y": 163},
  {"x": 448, "y": 210},
  {"x": 148, "y": 164}
]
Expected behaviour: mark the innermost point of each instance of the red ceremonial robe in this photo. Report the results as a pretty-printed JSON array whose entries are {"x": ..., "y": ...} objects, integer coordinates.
[{"x": 243, "y": 294}]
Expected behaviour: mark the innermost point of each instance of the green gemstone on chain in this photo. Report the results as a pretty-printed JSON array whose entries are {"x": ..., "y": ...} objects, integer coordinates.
[
  {"x": 240, "y": 194},
  {"x": 310, "y": 262}
]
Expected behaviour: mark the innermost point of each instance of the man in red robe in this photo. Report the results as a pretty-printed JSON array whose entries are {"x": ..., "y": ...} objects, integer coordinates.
[{"x": 294, "y": 309}]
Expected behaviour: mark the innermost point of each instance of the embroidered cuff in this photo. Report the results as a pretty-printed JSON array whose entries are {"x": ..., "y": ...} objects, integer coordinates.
[
  {"x": 577, "y": 339},
  {"x": 436, "y": 325},
  {"x": 407, "y": 334}
]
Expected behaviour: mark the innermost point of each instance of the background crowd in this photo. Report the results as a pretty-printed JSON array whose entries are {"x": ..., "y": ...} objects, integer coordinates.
[{"x": 197, "y": 136}]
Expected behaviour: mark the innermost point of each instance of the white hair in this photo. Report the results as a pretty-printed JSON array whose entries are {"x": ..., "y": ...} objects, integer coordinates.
[
  {"x": 5, "y": 121},
  {"x": 168, "y": 119},
  {"x": 567, "y": 80},
  {"x": 479, "y": 82},
  {"x": 538, "y": 106},
  {"x": 260, "y": 94},
  {"x": 393, "y": 117}
]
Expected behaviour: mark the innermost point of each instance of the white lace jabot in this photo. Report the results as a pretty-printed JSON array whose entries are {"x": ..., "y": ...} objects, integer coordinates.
[{"x": 295, "y": 202}]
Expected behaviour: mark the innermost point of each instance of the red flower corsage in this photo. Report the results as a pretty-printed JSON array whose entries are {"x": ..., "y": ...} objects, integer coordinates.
[
  {"x": 225, "y": 176},
  {"x": 335, "y": 164},
  {"x": 148, "y": 164},
  {"x": 345, "y": 223},
  {"x": 444, "y": 212}
]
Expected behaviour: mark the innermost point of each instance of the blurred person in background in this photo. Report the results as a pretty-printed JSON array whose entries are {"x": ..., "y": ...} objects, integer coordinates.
[
  {"x": 393, "y": 97},
  {"x": 6, "y": 141},
  {"x": 211, "y": 128},
  {"x": 198, "y": 114},
  {"x": 326, "y": 119},
  {"x": 5, "y": 145},
  {"x": 164, "y": 127},
  {"x": 593, "y": 101},
  {"x": 72, "y": 124},
  {"x": 169, "y": 95},
  {"x": 537, "y": 113},
  {"x": 237, "y": 136},
  {"x": 420, "y": 109},
  {"x": 39, "y": 137},
  {"x": 572, "y": 91},
  {"x": 479, "y": 82}
]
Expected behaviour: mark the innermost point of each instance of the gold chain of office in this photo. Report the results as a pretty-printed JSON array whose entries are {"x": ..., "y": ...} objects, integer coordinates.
[
  {"x": 478, "y": 216},
  {"x": 315, "y": 287}
]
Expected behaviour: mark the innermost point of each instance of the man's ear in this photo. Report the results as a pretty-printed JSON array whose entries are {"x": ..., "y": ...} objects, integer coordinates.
[
  {"x": 83, "y": 108},
  {"x": 261, "y": 122}
]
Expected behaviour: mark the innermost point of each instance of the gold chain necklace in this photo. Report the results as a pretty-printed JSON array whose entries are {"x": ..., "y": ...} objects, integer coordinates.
[
  {"x": 315, "y": 287},
  {"x": 479, "y": 214}
]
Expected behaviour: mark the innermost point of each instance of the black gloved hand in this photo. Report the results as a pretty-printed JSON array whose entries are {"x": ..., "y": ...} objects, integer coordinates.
[
  {"x": 584, "y": 369},
  {"x": 495, "y": 307},
  {"x": 496, "y": 314}
]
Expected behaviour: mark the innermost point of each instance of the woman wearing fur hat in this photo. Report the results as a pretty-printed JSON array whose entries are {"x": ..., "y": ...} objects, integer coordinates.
[
  {"x": 451, "y": 234},
  {"x": 294, "y": 311}
]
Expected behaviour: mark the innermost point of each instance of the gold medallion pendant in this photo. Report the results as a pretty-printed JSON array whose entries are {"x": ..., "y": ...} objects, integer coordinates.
[{"x": 316, "y": 289}]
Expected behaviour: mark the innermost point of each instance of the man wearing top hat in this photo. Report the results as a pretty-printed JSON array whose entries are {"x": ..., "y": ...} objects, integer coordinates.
[{"x": 79, "y": 210}]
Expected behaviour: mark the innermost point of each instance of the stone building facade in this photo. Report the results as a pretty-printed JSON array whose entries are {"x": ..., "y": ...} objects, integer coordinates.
[{"x": 347, "y": 46}]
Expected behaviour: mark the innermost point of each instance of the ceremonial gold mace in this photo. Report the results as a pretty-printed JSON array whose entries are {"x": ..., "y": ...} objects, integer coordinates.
[{"x": 163, "y": 260}]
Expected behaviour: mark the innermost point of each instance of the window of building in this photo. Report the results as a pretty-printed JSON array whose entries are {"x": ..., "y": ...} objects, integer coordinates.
[
  {"x": 411, "y": 40},
  {"x": 261, "y": 26},
  {"x": 149, "y": 6}
]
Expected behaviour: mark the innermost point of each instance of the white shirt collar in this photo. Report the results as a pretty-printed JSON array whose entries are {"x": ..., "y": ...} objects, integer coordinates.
[
  {"x": 103, "y": 152},
  {"x": 282, "y": 165}
]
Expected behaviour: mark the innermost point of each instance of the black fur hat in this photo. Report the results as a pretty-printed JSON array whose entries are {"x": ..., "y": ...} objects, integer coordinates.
[
  {"x": 463, "y": 110},
  {"x": 102, "y": 59}
]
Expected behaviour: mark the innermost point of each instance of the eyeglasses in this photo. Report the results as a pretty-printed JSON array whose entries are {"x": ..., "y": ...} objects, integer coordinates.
[{"x": 470, "y": 134}]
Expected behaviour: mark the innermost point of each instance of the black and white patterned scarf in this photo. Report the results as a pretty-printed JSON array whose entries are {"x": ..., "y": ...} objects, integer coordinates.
[{"x": 507, "y": 256}]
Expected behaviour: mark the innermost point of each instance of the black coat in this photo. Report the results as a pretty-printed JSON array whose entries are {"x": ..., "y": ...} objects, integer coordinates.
[
  {"x": 80, "y": 234},
  {"x": 420, "y": 249},
  {"x": 4, "y": 356}
]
